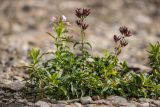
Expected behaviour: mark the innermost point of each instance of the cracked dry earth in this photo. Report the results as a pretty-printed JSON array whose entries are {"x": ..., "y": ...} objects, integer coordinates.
[{"x": 23, "y": 24}]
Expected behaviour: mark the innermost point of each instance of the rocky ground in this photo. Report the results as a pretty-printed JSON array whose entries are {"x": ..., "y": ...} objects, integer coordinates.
[
  {"x": 11, "y": 97},
  {"x": 23, "y": 24}
]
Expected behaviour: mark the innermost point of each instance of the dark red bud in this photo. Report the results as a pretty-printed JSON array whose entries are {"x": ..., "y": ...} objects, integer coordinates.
[
  {"x": 116, "y": 38},
  {"x": 84, "y": 26}
]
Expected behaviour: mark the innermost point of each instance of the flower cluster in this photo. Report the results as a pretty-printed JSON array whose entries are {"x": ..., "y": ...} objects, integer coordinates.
[
  {"x": 82, "y": 14},
  {"x": 81, "y": 24},
  {"x": 121, "y": 39},
  {"x": 58, "y": 19},
  {"x": 124, "y": 31}
]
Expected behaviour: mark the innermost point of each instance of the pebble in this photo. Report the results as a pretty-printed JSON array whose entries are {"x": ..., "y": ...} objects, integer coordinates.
[
  {"x": 78, "y": 104},
  {"x": 102, "y": 101},
  {"x": 62, "y": 102},
  {"x": 16, "y": 86},
  {"x": 86, "y": 100},
  {"x": 58, "y": 105},
  {"x": 145, "y": 100},
  {"x": 117, "y": 100},
  {"x": 157, "y": 102},
  {"x": 94, "y": 98},
  {"x": 127, "y": 104},
  {"x": 143, "y": 105},
  {"x": 42, "y": 104}
]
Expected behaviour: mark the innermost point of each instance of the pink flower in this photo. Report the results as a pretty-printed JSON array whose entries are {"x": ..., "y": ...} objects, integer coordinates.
[
  {"x": 53, "y": 19},
  {"x": 64, "y": 18}
]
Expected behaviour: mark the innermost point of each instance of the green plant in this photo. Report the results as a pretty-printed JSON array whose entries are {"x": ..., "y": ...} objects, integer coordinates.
[
  {"x": 67, "y": 75},
  {"x": 154, "y": 56},
  {"x": 82, "y": 15}
]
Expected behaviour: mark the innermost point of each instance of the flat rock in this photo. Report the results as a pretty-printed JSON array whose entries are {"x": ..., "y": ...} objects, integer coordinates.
[
  {"x": 117, "y": 100},
  {"x": 143, "y": 105},
  {"x": 100, "y": 106},
  {"x": 42, "y": 104},
  {"x": 78, "y": 104},
  {"x": 157, "y": 102},
  {"x": 127, "y": 105},
  {"x": 86, "y": 100},
  {"x": 145, "y": 100},
  {"x": 15, "y": 86}
]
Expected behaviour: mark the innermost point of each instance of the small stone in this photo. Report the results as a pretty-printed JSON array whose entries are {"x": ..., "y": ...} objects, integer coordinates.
[
  {"x": 86, "y": 100},
  {"x": 127, "y": 105},
  {"x": 42, "y": 104},
  {"x": 153, "y": 105},
  {"x": 102, "y": 101},
  {"x": 143, "y": 19},
  {"x": 18, "y": 78},
  {"x": 78, "y": 104},
  {"x": 15, "y": 86},
  {"x": 58, "y": 105},
  {"x": 71, "y": 105},
  {"x": 91, "y": 105},
  {"x": 157, "y": 102},
  {"x": 30, "y": 104},
  {"x": 94, "y": 98},
  {"x": 73, "y": 100},
  {"x": 101, "y": 106},
  {"x": 22, "y": 100},
  {"x": 62, "y": 102},
  {"x": 145, "y": 100},
  {"x": 5, "y": 100},
  {"x": 116, "y": 100},
  {"x": 143, "y": 105},
  {"x": 15, "y": 105}
]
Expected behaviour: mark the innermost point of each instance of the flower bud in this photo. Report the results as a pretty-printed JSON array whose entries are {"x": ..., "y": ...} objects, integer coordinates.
[{"x": 64, "y": 18}]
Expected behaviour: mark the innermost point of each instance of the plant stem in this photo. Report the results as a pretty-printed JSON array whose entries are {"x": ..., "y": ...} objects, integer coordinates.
[{"x": 82, "y": 42}]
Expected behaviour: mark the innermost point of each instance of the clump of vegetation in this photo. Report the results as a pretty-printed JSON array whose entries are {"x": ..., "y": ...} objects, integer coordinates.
[
  {"x": 68, "y": 75},
  {"x": 154, "y": 56}
]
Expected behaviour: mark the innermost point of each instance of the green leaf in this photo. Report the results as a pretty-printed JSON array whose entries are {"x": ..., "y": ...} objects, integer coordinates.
[
  {"x": 34, "y": 55},
  {"x": 87, "y": 43},
  {"x": 63, "y": 90},
  {"x": 76, "y": 44},
  {"x": 50, "y": 34}
]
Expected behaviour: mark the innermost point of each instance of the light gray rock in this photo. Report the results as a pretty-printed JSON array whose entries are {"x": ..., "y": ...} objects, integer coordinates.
[
  {"x": 15, "y": 86},
  {"x": 42, "y": 104},
  {"x": 73, "y": 100},
  {"x": 59, "y": 105},
  {"x": 152, "y": 105},
  {"x": 143, "y": 19},
  {"x": 145, "y": 100},
  {"x": 117, "y": 100},
  {"x": 94, "y": 98},
  {"x": 86, "y": 100},
  {"x": 102, "y": 101},
  {"x": 143, "y": 105},
  {"x": 127, "y": 105},
  {"x": 78, "y": 104},
  {"x": 157, "y": 102},
  {"x": 62, "y": 102}
]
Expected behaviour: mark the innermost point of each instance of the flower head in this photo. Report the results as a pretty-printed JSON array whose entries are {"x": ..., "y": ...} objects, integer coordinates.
[
  {"x": 64, "y": 18},
  {"x": 79, "y": 23},
  {"x": 123, "y": 43},
  {"x": 53, "y": 19},
  {"x": 82, "y": 13},
  {"x": 124, "y": 31},
  {"x": 116, "y": 38},
  {"x": 84, "y": 26}
]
